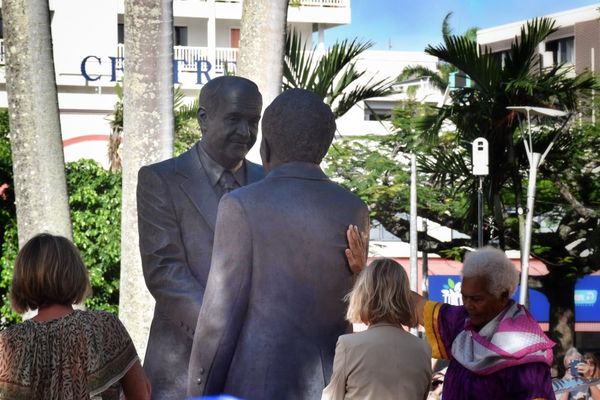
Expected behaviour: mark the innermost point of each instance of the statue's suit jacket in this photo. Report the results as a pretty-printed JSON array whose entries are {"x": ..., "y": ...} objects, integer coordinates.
[
  {"x": 177, "y": 209},
  {"x": 273, "y": 307}
]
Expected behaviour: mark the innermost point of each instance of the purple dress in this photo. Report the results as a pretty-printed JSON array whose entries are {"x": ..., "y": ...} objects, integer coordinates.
[{"x": 526, "y": 381}]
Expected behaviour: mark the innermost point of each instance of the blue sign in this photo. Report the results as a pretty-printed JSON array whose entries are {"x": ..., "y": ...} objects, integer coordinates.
[
  {"x": 446, "y": 288},
  {"x": 587, "y": 306}
]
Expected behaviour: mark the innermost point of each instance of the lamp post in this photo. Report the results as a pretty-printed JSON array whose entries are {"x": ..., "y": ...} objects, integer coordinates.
[
  {"x": 480, "y": 155},
  {"x": 535, "y": 160},
  {"x": 413, "y": 228}
]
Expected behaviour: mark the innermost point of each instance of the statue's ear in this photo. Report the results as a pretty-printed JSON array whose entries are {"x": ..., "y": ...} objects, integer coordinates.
[
  {"x": 265, "y": 151},
  {"x": 202, "y": 119}
]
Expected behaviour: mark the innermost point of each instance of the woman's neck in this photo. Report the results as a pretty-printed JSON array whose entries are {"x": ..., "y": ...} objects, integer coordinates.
[{"x": 52, "y": 311}]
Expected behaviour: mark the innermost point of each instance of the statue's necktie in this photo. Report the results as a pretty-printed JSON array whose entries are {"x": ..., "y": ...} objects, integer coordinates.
[{"x": 228, "y": 182}]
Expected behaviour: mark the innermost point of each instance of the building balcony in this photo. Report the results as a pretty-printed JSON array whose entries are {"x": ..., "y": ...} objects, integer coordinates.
[
  {"x": 190, "y": 58},
  {"x": 331, "y": 12},
  {"x": 293, "y": 3}
]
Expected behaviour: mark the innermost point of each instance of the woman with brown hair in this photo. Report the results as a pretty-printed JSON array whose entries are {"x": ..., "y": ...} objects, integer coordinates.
[
  {"x": 385, "y": 361},
  {"x": 63, "y": 353}
]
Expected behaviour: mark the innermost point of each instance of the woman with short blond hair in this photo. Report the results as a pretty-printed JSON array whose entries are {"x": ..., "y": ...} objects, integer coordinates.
[{"x": 385, "y": 361}]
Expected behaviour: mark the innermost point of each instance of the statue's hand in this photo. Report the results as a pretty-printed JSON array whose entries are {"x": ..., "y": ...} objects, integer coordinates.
[{"x": 356, "y": 253}]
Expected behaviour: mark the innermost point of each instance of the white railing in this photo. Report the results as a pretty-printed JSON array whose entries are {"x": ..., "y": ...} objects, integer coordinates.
[
  {"x": 188, "y": 56},
  {"x": 322, "y": 3},
  {"x": 2, "y": 60},
  {"x": 295, "y": 3},
  {"x": 226, "y": 60}
]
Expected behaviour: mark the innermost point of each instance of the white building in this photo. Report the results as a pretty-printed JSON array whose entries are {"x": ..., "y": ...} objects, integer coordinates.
[
  {"x": 574, "y": 43},
  {"x": 367, "y": 116},
  {"x": 88, "y": 56}
]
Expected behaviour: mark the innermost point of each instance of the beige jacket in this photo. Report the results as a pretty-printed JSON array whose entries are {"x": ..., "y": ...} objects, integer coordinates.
[{"x": 383, "y": 362}]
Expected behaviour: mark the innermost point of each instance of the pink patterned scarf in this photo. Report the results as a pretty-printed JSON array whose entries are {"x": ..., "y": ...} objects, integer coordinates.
[{"x": 512, "y": 338}]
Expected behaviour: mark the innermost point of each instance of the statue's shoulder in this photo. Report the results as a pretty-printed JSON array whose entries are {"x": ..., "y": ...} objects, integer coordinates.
[{"x": 181, "y": 162}]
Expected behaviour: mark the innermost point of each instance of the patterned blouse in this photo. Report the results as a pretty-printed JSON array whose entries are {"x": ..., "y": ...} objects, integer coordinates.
[{"x": 82, "y": 355}]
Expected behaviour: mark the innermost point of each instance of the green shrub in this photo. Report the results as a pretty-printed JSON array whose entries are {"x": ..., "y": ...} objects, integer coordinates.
[{"x": 95, "y": 203}]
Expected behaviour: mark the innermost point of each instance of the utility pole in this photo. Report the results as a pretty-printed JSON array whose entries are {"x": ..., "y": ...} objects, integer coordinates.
[{"x": 480, "y": 169}]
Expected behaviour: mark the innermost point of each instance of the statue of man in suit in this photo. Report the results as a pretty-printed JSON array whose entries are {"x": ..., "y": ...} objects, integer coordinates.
[
  {"x": 177, "y": 209},
  {"x": 273, "y": 307}
]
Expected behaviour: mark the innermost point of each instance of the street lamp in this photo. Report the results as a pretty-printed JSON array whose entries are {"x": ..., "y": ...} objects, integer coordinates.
[
  {"x": 480, "y": 156},
  {"x": 535, "y": 160}
]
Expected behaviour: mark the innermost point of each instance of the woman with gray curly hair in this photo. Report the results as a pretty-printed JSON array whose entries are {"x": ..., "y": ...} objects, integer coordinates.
[{"x": 495, "y": 347}]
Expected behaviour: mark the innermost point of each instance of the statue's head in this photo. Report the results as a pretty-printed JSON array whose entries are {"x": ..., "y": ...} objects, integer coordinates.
[
  {"x": 297, "y": 126},
  {"x": 228, "y": 115}
]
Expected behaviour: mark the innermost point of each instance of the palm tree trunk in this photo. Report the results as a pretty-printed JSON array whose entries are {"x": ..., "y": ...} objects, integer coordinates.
[
  {"x": 36, "y": 142},
  {"x": 148, "y": 127},
  {"x": 262, "y": 46}
]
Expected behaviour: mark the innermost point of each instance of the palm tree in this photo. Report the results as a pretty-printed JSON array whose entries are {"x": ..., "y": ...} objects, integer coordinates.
[
  {"x": 333, "y": 75},
  {"x": 262, "y": 37},
  {"x": 439, "y": 79},
  {"x": 480, "y": 111},
  {"x": 148, "y": 125},
  {"x": 36, "y": 141}
]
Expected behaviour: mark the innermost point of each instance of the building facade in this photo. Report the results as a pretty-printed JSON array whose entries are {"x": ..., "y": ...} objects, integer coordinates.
[
  {"x": 574, "y": 44},
  {"x": 90, "y": 58}
]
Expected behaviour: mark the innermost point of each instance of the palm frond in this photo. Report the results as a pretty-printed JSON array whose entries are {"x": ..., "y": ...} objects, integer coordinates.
[
  {"x": 333, "y": 76},
  {"x": 446, "y": 29},
  {"x": 523, "y": 57},
  {"x": 418, "y": 71}
]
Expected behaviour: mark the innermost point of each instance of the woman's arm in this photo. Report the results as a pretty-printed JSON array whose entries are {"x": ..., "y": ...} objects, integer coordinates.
[
  {"x": 135, "y": 384},
  {"x": 419, "y": 302}
]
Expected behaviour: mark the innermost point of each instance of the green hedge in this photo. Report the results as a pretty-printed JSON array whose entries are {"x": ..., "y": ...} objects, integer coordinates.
[{"x": 95, "y": 203}]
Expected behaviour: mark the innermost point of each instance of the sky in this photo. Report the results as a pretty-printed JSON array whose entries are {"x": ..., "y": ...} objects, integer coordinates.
[{"x": 410, "y": 25}]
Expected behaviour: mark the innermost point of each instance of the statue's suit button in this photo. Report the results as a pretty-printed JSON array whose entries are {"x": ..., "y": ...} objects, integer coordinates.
[
  {"x": 201, "y": 371},
  {"x": 199, "y": 381}
]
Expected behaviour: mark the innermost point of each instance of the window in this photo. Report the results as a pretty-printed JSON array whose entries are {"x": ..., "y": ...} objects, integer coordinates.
[
  {"x": 378, "y": 110},
  {"x": 180, "y": 36},
  {"x": 500, "y": 57},
  {"x": 120, "y": 33},
  {"x": 563, "y": 50}
]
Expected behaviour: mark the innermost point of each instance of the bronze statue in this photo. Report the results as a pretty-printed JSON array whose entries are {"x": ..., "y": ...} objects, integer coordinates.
[
  {"x": 177, "y": 208},
  {"x": 273, "y": 307}
]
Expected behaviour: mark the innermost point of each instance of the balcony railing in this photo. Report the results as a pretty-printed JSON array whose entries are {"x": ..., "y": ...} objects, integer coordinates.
[
  {"x": 307, "y": 3},
  {"x": 188, "y": 56}
]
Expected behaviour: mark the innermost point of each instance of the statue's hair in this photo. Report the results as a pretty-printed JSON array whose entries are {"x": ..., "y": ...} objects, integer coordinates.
[
  {"x": 211, "y": 93},
  {"x": 381, "y": 293},
  {"x": 494, "y": 266},
  {"x": 298, "y": 126}
]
